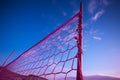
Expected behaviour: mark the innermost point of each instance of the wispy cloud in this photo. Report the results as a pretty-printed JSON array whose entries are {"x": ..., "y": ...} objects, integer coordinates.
[
  {"x": 97, "y": 38},
  {"x": 97, "y": 15},
  {"x": 95, "y": 5},
  {"x": 64, "y": 13},
  {"x": 105, "y": 2},
  {"x": 96, "y": 8},
  {"x": 92, "y": 6}
]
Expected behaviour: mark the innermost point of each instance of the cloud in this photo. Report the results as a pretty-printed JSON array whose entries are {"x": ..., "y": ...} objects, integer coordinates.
[
  {"x": 92, "y": 6},
  {"x": 97, "y": 38},
  {"x": 105, "y": 2},
  {"x": 97, "y": 15},
  {"x": 64, "y": 13},
  {"x": 95, "y": 5}
]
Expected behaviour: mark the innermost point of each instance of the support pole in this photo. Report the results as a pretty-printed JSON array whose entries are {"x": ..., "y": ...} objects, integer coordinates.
[
  {"x": 8, "y": 58},
  {"x": 79, "y": 43}
]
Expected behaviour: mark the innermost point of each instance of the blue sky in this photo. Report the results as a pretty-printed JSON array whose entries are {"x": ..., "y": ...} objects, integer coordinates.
[{"x": 25, "y": 22}]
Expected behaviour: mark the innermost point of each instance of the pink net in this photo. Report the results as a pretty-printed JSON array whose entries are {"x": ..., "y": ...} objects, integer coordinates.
[{"x": 54, "y": 57}]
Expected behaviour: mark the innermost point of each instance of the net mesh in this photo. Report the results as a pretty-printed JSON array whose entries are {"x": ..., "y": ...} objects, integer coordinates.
[{"x": 54, "y": 57}]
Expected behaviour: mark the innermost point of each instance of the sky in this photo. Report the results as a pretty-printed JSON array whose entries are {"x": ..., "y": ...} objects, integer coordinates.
[{"x": 25, "y": 22}]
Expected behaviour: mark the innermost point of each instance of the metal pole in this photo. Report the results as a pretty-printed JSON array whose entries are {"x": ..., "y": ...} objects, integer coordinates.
[{"x": 79, "y": 42}]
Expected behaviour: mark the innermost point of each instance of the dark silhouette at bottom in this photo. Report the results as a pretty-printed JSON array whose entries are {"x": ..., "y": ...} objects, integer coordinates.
[{"x": 9, "y": 75}]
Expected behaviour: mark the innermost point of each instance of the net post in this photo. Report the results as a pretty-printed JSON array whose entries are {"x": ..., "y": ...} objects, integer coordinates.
[{"x": 79, "y": 44}]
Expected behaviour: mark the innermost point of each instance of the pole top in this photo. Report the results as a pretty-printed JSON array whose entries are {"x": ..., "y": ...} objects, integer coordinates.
[{"x": 81, "y": 4}]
